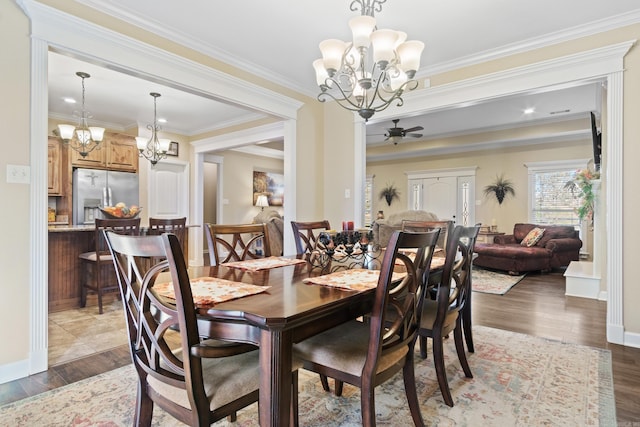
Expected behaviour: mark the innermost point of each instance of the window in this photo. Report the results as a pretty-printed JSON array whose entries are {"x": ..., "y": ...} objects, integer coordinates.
[{"x": 549, "y": 201}]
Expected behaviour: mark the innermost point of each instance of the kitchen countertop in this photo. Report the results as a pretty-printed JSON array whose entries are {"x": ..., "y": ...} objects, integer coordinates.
[{"x": 53, "y": 228}]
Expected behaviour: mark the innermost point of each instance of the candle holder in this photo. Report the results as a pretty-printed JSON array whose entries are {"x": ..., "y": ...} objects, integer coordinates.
[{"x": 345, "y": 250}]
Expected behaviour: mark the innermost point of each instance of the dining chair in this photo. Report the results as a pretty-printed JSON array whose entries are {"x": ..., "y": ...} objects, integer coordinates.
[
  {"x": 176, "y": 226},
  {"x": 306, "y": 234},
  {"x": 466, "y": 311},
  {"x": 96, "y": 270},
  {"x": 237, "y": 242},
  {"x": 444, "y": 315},
  {"x": 366, "y": 354},
  {"x": 445, "y": 227},
  {"x": 177, "y": 369}
]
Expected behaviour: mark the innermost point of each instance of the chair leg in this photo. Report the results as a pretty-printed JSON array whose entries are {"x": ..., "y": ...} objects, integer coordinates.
[
  {"x": 325, "y": 382},
  {"x": 83, "y": 291},
  {"x": 338, "y": 385},
  {"x": 368, "y": 406},
  {"x": 466, "y": 326},
  {"x": 411, "y": 392},
  {"x": 423, "y": 346},
  {"x": 144, "y": 408},
  {"x": 462, "y": 357},
  {"x": 441, "y": 372}
]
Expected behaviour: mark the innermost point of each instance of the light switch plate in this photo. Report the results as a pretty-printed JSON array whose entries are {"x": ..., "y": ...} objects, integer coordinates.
[{"x": 18, "y": 174}]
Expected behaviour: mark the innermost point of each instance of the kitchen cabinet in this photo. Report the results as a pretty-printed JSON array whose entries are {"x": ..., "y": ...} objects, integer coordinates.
[
  {"x": 116, "y": 152},
  {"x": 54, "y": 170}
]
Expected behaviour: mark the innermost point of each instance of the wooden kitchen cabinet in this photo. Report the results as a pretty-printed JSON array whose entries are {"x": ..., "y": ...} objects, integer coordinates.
[
  {"x": 116, "y": 152},
  {"x": 122, "y": 153},
  {"x": 54, "y": 170}
]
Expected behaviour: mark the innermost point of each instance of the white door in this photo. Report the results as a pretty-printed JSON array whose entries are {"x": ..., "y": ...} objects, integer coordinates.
[
  {"x": 169, "y": 189},
  {"x": 440, "y": 196}
]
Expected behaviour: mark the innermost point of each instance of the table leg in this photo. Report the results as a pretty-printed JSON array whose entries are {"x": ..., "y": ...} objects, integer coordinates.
[{"x": 275, "y": 377}]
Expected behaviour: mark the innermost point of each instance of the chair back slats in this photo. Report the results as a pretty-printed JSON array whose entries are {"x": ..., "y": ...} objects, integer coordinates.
[
  {"x": 175, "y": 226},
  {"x": 454, "y": 287},
  {"x": 129, "y": 226},
  {"x": 306, "y": 235},
  {"x": 395, "y": 317},
  {"x": 236, "y": 242}
]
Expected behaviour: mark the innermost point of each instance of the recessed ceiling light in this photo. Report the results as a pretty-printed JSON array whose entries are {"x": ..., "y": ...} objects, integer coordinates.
[
  {"x": 529, "y": 110},
  {"x": 69, "y": 100},
  {"x": 162, "y": 120}
]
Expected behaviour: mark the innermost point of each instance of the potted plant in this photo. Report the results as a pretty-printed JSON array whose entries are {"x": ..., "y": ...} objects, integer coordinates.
[
  {"x": 501, "y": 187},
  {"x": 389, "y": 193},
  {"x": 582, "y": 184}
]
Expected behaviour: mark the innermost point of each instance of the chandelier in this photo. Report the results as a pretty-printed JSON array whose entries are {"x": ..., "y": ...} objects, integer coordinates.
[
  {"x": 373, "y": 70},
  {"x": 153, "y": 149},
  {"x": 85, "y": 139}
]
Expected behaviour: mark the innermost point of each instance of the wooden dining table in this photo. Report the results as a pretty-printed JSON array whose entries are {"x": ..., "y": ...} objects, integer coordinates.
[{"x": 287, "y": 312}]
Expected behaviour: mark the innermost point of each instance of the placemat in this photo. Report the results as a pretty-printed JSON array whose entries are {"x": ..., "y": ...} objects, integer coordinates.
[
  {"x": 208, "y": 291},
  {"x": 354, "y": 280},
  {"x": 264, "y": 263}
]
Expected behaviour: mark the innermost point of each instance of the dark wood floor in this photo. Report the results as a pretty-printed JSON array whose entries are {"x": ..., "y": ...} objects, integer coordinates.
[{"x": 536, "y": 306}]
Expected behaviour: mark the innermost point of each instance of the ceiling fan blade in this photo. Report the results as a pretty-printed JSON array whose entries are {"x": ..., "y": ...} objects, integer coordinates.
[
  {"x": 415, "y": 135},
  {"x": 413, "y": 129}
]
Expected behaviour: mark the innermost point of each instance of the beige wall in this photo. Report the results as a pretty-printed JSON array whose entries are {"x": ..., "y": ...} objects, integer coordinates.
[
  {"x": 324, "y": 155},
  {"x": 490, "y": 163},
  {"x": 14, "y": 245}
]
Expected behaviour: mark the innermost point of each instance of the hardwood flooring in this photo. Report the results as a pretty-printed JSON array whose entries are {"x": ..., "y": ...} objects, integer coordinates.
[{"x": 535, "y": 306}]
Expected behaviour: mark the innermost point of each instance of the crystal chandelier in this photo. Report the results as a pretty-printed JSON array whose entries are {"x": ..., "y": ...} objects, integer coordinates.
[
  {"x": 363, "y": 79},
  {"x": 153, "y": 149},
  {"x": 85, "y": 139}
]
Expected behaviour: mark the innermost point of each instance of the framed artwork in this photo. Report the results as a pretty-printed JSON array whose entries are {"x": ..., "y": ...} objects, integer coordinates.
[
  {"x": 268, "y": 184},
  {"x": 173, "y": 149}
]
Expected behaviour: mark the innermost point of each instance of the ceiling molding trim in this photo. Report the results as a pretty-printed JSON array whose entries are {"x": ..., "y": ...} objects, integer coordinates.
[
  {"x": 584, "y": 30},
  {"x": 240, "y": 138},
  {"x": 177, "y": 36},
  {"x": 75, "y": 36},
  {"x": 487, "y": 129},
  {"x": 582, "y": 66},
  {"x": 260, "y": 151},
  {"x": 481, "y": 146}
]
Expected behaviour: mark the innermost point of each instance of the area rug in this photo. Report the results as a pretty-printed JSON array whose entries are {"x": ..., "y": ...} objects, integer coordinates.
[
  {"x": 491, "y": 282},
  {"x": 519, "y": 380}
]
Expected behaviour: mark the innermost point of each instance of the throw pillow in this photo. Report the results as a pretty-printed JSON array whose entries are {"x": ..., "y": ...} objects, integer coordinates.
[{"x": 532, "y": 237}]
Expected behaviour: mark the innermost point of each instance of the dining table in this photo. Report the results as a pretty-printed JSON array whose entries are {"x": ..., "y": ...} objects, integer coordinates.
[{"x": 288, "y": 311}]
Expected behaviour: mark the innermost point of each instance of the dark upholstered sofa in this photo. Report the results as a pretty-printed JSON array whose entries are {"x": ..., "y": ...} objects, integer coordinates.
[{"x": 558, "y": 246}]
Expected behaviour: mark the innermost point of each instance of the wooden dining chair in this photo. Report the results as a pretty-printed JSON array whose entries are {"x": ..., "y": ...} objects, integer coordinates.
[
  {"x": 305, "y": 234},
  {"x": 443, "y": 315},
  {"x": 96, "y": 271},
  {"x": 175, "y": 226},
  {"x": 194, "y": 382},
  {"x": 366, "y": 354},
  {"x": 237, "y": 242}
]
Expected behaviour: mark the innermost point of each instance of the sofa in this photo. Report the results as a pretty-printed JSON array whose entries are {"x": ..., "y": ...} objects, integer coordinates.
[
  {"x": 275, "y": 228},
  {"x": 557, "y": 247},
  {"x": 384, "y": 228}
]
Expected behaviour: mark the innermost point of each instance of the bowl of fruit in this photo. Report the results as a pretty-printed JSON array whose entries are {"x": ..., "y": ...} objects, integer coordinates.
[{"x": 120, "y": 211}]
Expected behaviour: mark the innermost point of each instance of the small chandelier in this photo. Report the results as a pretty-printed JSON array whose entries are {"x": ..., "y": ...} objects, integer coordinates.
[
  {"x": 153, "y": 149},
  {"x": 362, "y": 80},
  {"x": 86, "y": 138}
]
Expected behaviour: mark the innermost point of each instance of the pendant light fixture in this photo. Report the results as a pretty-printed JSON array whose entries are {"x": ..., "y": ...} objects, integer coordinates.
[
  {"x": 85, "y": 139},
  {"x": 372, "y": 71},
  {"x": 153, "y": 149}
]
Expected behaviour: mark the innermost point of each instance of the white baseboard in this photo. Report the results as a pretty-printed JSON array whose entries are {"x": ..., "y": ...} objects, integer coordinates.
[
  {"x": 14, "y": 371},
  {"x": 632, "y": 339}
]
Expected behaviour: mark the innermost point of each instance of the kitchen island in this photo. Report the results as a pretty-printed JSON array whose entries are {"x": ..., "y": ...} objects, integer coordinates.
[{"x": 66, "y": 243}]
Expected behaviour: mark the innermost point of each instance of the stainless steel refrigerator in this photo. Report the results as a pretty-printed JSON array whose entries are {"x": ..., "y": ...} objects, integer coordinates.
[{"x": 93, "y": 188}]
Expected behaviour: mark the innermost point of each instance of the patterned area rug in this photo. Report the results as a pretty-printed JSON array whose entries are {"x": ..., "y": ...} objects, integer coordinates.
[
  {"x": 491, "y": 282},
  {"x": 519, "y": 380}
]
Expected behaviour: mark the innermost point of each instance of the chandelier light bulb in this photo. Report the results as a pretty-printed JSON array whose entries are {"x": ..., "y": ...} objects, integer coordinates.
[
  {"x": 332, "y": 51},
  {"x": 361, "y": 28},
  {"x": 383, "y": 42},
  {"x": 409, "y": 53}
]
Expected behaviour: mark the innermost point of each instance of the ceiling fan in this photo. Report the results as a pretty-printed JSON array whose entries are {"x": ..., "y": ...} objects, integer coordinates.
[{"x": 395, "y": 134}]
